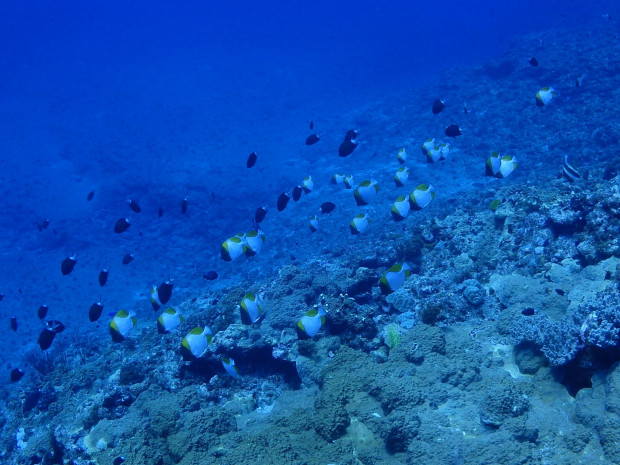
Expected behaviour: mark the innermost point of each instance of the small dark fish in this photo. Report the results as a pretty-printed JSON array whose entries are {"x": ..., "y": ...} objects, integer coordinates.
[
  {"x": 327, "y": 207},
  {"x": 67, "y": 265},
  {"x": 260, "y": 214},
  {"x": 579, "y": 81},
  {"x": 42, "y": 225},
  {"x": 14, "y": 323},
  {"x": 134, "y": 206},
  {"x": 297, "y": 190},
  {"x": 164, "y": 291},
  {"x": 103, "y": 276},
  {"x": 347, "y": 148},
  {"x": 351, "y": 134},
  {"x": 1, "y": 296},
  {"x": 118, "y": 460},
  {"x": 312, "y": 139},
  {"x": 42, "y": 311},
  {"x": 283, "y": 201},
  {"x": 46, "y": 338},
  {"x": 127, "y": 259},
  {"x": 95, "y": 311},
  {"x": 160, "y": 211},
  {"x": 311, "y": 125},
  {"x": 453, "y": 131},
  {"x": 465, "y": 108},
  {"x": 438, "y": 106},
  {"x": 529, "y": 311},
  {"x": 251, "y": 160},
  {"x": 121, "y": 225},
  {"x": 184, "y": 205},
  {"x": 533, "y": 61},
  {"x": 210, "y": 275},
  {"x": 90, "y": 196},
  {"x": 55, "y": 326},
  {"x": 16, "y": 375},
  {"x": 31, "y": 401},
  {"x": 559, "y": 292}
]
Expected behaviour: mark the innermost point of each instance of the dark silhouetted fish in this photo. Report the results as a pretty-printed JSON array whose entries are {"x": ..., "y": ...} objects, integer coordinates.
[
  {"x": 438, "y": 106},
  {"x": 533, "y": 61},
  {"x": 251, "y": 160},
  {"x": 160, "y": 211},
  {"x": 312, "y": 139},
  {"x": 283, "y": 201},
  {"x": 311, "y": 125},
  {"x": 90, "y": 196},
  {"x": 42, "y": 225},
  {"x": 121, "y": 225},
  {"x": 14, "y": 323},
  {"x": 327, "y": 207},
  {"x": 260, "y": 214},
  {"x": 95, "y": 311},
  {"x": 68, "y": 264},
  {"x": 16, "y": 375},
  {"x": 164, "y": 292},
  {"x": 127, "y": 259},
  {"x": 1, "y": 296},
  {"x": 529, "y": 311},
  {"x": 297, "y": 190},
  {"x": 31, "y": 401},
  {"x": 103, "y": 276},
  {"x": 118, "y": 460},
  {"x": 46, "y": 338},
  {"x": 349, "y": 144},
  {"x": 184, "y": 204},
  {"x": 134, "y": 206},
  {"x": 42, "y": 311},
  {"x": 453, "y": 131},
  {"x": 210, "y": 275}
]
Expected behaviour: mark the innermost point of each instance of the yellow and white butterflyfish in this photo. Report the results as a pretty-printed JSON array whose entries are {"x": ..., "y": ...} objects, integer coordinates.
[
  {"x": 544, "y": 96},
  {"x": 402, "y": 156},
  {"x": 311, "y": 322},
  {"x": 359, "y": 224},
  {"x": 434, "y": 155},
  {"x": 254, "y": 241},
  {"x": 421, "y": 196},
  {"x": 492, "y": 164},
  {"x": 337, "y": 178},
  {"x": 508, "y": 164},
  {"x": 121, "y": 325},
  {"x": 427, "y": 145},
  {"x": 314, "y": 223},
  {"x": 394, "y": 278},
  {"x": 400, "y": 208},
  {"x": 365, "y": 192},
  {"x": 168, "y": 321},
  {"x": 155, "y": 302},
  {"x": 401, "y": 176},
  {"x": 445, "y": 149},
  {"x": 348, "y": 181},
  {"x": 250, "y": 309},
  {"x": 230, "y": 367},
  {"x": 233, "y": 248},
  {"x": 307, "y": 184},
  {"x": 194, "y": 345}
]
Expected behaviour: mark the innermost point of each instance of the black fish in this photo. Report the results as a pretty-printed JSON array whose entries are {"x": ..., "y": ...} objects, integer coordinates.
[
  {"x": 465, "y": 108},
  {"x": 560, "y": 291},
  {"x": 95, "y": 311},
  {"x": 42, "y": 311},
  {"x": 160, "y": 212},
  {"x": 251, "y": 160},
  {"x": 16, "y": 375},
  {"x": 283, "y": 201},
  {"x": 127, "y": 259},
  {"x": 118, "y": 460},
  {"x": 46, "y": 338},
  {"x": 349, "y": 144},
  {"x": 311, "y": 125},
  {"x": 42, "y": 225},
  {"x": 453, "y": 131},
  {"x": 31, "y": 400},
  {"x": 121, "y": 225},
  {"x": 55, "y": 326},
  {"x": 529, "y": 311},
  {"x": 14, "y": 323},
  {"x": 67, "y": 265},
  {"x": 1, "y": 296},
  {"x": 327, "y": 207},
  {"x": 134, "y": 205},
  {"x": 164, "y": 292},
  {"x": 297, "y": 190},
  {"x": 533, "y": 61},
  {"x": 210, "y": 275},
  {"x": 103, "y": 276},
  {"x": 184, "y": 204},
  {"x": 438, "y": 106},
  {"x": 312, "y": 139},
  {"x": 90, "y": 196},
  {"x": 351, "y": 134},
  {"x": 260, "y": 214}
]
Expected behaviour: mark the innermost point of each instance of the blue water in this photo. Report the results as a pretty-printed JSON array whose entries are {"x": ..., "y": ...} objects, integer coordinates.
[{"x": 158, "y": 101}]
